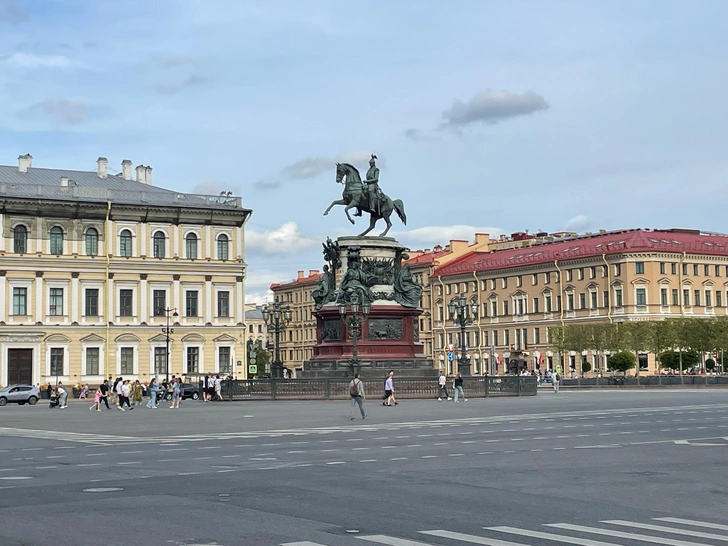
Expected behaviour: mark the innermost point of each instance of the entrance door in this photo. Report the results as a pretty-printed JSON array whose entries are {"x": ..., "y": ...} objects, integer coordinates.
[{"x": 20, "y": 366}]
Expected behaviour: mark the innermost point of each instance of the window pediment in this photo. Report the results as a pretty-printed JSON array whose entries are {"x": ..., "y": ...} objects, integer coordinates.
[
  {"x": 57, "y": 338},
  {"x": 640, "y": 280},
  {"x": 664, "y": 280},
  {"x": 224, "y": 338},
  {"x": 159, "y": 338},
  {"x": 193, "y": 338},
  {"x": 708, "y": 283},
  {"x": 127, "y": 338},
  {"x": 92, "y": 338}
]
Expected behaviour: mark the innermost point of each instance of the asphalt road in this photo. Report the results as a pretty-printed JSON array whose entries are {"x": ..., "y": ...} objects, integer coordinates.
[{"x": 589, "y": 468}]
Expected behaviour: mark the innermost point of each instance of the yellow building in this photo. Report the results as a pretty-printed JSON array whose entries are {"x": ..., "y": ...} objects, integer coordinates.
[{"x": 94, "y": 264}]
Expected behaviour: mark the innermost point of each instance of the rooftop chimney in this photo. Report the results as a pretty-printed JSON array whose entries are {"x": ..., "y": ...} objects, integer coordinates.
[
  {"x": 126, "y": 169},
  {"x": 300, "y": 275},
  {"x": 102, "y": 163},
  {"x": 312, "y": 272},
  {"x": 64, "y": 181},
  {"x": 148, "y": 178},
  {"x": 141, "y": 174},
  {"x": 24, "y": 163}
]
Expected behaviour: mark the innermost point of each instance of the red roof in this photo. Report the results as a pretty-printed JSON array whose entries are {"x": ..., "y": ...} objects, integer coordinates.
[
  {"x": 636, "y": 240},
  {"x": 428, "y": 258},
  {"x": 312, "y": 279}
]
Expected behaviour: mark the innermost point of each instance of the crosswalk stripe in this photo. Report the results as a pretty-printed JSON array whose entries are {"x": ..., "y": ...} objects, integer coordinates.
[
  {"x": 304, "y": 543},
  {"x": 620, "y": 534},
  {"x": 663, "y": 529},
  {"x": 563, "y": 539},
  {"x": 705, "y": 524},
  {"x": 392, "y": 541},
  {"x": 472, "y": 538}
]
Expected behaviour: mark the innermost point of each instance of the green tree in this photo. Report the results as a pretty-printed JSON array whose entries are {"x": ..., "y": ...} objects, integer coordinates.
[
  {"x": 558, "y": 342},
  {"x": 709, "y": 364},
  {"x": 671, "y": 359},
  {"x": 585, "y": 367},
  {"x": 622, "y": 361},
  {"x": 662, "y": 338},
  {"x": 617, "y": 337}
]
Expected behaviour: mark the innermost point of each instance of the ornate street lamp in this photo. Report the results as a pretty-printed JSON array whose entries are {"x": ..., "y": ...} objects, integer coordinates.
[
  {"x": 276, "y": 318},
  {"x": 166, "y": 330},
  {"x": 353, "y": 317},
  {"x": 462, "y": 315}
]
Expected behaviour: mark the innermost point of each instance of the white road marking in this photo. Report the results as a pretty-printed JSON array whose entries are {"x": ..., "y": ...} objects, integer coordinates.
[
  {"x": 471, "y": 538},
  {"x": 382, "y": 539},
  {"x": 620, "y": 534},
  {"x": 663, "y": 529},
  {"x": 694, "y": 523}
]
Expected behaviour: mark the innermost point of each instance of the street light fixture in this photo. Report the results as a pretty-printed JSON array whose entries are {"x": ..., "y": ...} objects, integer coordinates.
[
  {"x": 166, "y": 330},
  {"x": 275, "y": 319},
  {"x": 462, "y": 315},
  {"x": 353, "y": 317}
]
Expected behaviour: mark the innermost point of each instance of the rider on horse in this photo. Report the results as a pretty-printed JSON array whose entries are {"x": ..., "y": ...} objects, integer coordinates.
[{"x": 372, "y": 190}]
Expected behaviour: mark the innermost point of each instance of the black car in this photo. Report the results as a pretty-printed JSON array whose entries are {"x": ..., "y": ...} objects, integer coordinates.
[{"x": 189, "y": 390}]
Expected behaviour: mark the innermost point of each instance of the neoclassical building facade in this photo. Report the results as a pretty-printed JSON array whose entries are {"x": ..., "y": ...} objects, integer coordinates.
[{"x": 95, "y": 266}]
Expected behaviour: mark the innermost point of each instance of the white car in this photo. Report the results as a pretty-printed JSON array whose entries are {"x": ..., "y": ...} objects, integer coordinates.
[{"x": 19, "y": 394}]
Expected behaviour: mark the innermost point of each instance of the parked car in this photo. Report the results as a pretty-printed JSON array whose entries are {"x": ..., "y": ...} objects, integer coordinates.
[
  {"x": 189, "y": 390},
  {"x": 19, "y": 394}
]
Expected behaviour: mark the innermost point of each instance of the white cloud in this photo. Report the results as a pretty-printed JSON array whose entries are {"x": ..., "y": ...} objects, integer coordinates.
[
  {"x": 31, "y": 60},
  {"x": 492, "y": 106},
  {"x": 311, "y": 167},
  {"x": 285, "y": 239},
  {"x": 259, "y": 297},
  {"x": 432, "y": 235},
  {"x": 578, "y": 223}
]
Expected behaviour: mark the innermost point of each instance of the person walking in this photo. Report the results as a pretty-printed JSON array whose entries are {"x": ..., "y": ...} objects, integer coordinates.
[
  {"x": 458, "y": 384},
  {"x": 136, "y": 393},
  {"x": 389, "y": 390},
  {"x": 104, "y": 394},
  {"x": 356, "y": 391},
  {"x": 97, "y": 401},
  {"x": 176, "y": 394},
  {"x": 124, "y": 391},
  {"x": 63, "y": 396},
  {"x": 218, "y": 387},
  {"x": 442, "y": 382},
  {"x": 153, "y": 389},
  {"x": 206, "y": 388},
  {"x": 555, "y": 380}
]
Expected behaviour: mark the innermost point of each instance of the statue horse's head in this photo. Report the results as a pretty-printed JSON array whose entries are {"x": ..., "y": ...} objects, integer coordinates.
[{"x": 348, "y": 171}]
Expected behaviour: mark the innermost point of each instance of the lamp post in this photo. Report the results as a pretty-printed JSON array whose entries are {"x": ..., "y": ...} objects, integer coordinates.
[
  {"x": 353, "y": 317},
  {"x": 166, "y": 330},
  {"x": 462, "y": 315},
  {"x": 276, "y": 318}
]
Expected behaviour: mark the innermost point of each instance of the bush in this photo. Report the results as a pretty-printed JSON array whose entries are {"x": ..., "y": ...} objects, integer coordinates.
[
  {"x": 621, "y": 362},
  {"x": 710, "y": 364},
  {"x": 585, "y": 367}
]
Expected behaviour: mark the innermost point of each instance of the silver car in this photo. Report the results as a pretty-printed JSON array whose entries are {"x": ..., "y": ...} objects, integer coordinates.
[{"x": 19, "y": 394}]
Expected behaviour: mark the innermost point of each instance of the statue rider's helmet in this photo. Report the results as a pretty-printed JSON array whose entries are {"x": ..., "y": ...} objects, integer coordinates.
[{"x": 371, "y": 160}]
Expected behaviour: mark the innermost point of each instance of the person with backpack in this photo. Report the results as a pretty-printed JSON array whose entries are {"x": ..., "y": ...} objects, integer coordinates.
[
  {"x": 458, "y": 385},
  {"x": 555, "y": 379},
  {"x": 356, "y": 391},
  {"x": 442, "y": 383}
]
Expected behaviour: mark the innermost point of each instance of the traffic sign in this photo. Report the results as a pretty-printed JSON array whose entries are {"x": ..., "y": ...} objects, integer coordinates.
[
  {"x": 451, "y": 356},
  {"x": 252, "y": 369}
]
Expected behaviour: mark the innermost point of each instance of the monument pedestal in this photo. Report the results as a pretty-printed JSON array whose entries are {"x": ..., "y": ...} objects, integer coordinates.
[{"x": 389, "y": 338}]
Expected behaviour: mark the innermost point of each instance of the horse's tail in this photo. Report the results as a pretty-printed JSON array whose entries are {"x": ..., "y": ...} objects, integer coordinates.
[{"x": 399, "y": 207}]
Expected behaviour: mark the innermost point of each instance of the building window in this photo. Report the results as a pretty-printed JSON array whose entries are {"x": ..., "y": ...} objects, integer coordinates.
[
  {"x": 686, "y": 297},
  {"x": 582, "y": 301},
  {"x": 719, "y": 299},
  {"x": 537, "y": 336},
  {"x": 675, "y": 297},
  {"x": 159, "y": 307},
  {"x": 639, "y": 268},
  {"x": 223, "y": 304},
  {"x": 193, "y": 359},
  {"x": 495, "y": 338},
  {"x": 125, "y": 243},
  {"x": 191, "y": 303},
  {"x": 191, "y": 246},
  {"x": 506, "y": 337},
  {"x": 618, "y": 297},
  {"x": 158, "y": 244},
  {"x": 126, "y": 303},
  {"x": 504, "y": 282},
  {"x": 160, "y": 360},
  {"x": 535, "y": 305},
  {"x": 558, "y": 303},
  {"x": 706, "y": 270},
  {"x": 605, "y": 295},
  {"x": 673, "y": 269},
  {"x": 92, "y": 302},
  {"x": 20, "y": 239},
  {"x": 592, "y": 272},
  {"x": 717, "y": 271},
  {"x": 569, "y": 302},
  {"x": 580, "y": 273},
  {"x": 663, "y": 296},
  {"x": 708, "y": 298},
  {"x": 55, "y": 302},
  {"x": 697, "y": 297},
  {"x": 663, "y": 269},
  {"x": 569, "y": 275},
  {"x": 547, "y": 301},
  {"x": 92, "y": 242},
  {"x": 223, "y": 362},
  {"x": 494, "y": 308},
  {"x": 696, "y": 270},
  {"x": 519, "y": 281},
  {"x": 519, "y": 302},
  {"x": 56, "y": 361},
  {"x": 92, "y": 361},
  {"x": 20, "y": 301},
  {"x": 547, "y": 277},
  {"x": 641, "y": 296},
  {"x": 505, "y": 308},
  {"x": 534, "y": 279},
  {"x": 56, "y": 240},
  {"x": 617, "y": 270},
  {"x": 594, "y": 302},
  {"x": 126, "y": 360},
  {"x": 685, "y": 269},
  {"x": 222, "y": 247}
]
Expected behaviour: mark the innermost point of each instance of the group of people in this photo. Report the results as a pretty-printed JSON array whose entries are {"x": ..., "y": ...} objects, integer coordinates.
[{"x": 457, "y": 387}]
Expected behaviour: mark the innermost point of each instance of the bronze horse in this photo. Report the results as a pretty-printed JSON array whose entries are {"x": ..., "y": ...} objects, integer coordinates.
[{"x": 354, "y": 196}]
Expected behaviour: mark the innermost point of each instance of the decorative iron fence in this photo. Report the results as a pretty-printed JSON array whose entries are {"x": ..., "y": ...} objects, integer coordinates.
[
  {"x": 648, "y": 381},
  {"x": 338, "y": 389}
]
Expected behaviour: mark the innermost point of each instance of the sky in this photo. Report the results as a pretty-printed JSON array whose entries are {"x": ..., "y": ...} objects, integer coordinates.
[{"x": 488, "y": 116}]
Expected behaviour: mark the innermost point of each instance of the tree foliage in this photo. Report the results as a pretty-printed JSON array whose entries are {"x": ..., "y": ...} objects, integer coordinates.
[
  {"x": 585, "y": 367},
  {"x": 671, "y": 360},
  {"x": 622, "y": 361}
]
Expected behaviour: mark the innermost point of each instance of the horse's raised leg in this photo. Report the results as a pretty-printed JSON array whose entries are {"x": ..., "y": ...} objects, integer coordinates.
[
  {"x": 333, "y": 203},
  {"x": 372, "y": 221},
  {"x": 389, "y": 225},
  {"x": 346, "y": 210}
]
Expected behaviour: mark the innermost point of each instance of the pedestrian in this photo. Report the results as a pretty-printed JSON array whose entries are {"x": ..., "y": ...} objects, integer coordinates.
[
  {"x": 63, "y": 395},
  {"x": 176, "y": 393},
  {"x": 84, "y": 391},
  {"x": 458, "y": 384},
  {"x": 389, "y": 390},
  {"x": 49, "y": 390},
  {"x": 124, "y": 393},
  {"x": 118, "y": 384},
  {"x": 97, "y": 401},
  {"x": 442, "y": 382},
  {"x": 153, "y": 389},
  {"x": 356, "y": 391},
  {"x": 555, "y": 379},
  {"x": 206, "y": 388},
  {"x": 136, "y": 393},
  {"x": 104, "y": 394}
]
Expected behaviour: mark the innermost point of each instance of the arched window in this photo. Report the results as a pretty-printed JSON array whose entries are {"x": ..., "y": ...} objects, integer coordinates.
[
  {"x": 92, "y": 242},
  {"x": 56, "y": 240},
  {"x": 191, "y": 246},
  {"x": 125, "y": 243},
  {"x": 158, "y": 241},
  {"x": 222, "y": 247},
  {"x": 20, "y": 239}
]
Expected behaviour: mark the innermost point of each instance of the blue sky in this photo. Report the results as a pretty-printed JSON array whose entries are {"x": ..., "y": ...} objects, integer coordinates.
[{"x": 486, "y": 115}]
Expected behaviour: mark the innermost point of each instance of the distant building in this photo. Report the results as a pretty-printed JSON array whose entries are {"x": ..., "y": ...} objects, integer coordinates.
[{"x": 94, "y": 263}]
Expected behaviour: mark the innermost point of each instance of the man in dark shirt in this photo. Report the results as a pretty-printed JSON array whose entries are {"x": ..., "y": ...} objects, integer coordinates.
[{"x": 104, "y": 388}]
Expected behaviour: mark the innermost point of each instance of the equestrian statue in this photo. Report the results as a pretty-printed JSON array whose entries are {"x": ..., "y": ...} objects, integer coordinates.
[{"x": 365, "y": 196}]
